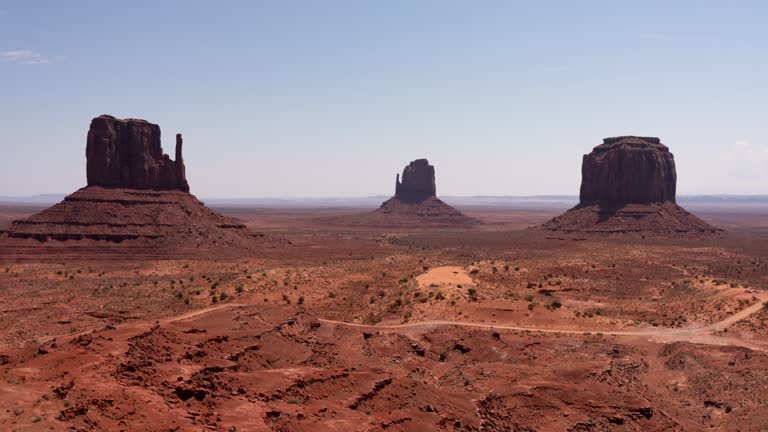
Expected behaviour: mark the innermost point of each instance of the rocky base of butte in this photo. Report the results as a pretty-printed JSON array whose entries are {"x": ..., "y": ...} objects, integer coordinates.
[
  {"x": 149, "y": 222},
  {"x": 656, "y": 219},
  {"x": 629, "y": 188}
]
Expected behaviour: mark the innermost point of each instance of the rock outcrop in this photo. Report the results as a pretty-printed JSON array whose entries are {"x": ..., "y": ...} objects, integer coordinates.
[
  {"x": 137, "y": 204},
  {"x": 415, "y": 202},
  {"x": 628, "y": 170},
  {"x": 628, "y": 186},
  {"x": 128, "y": 154},
  {"x": 418, "y": 182}
]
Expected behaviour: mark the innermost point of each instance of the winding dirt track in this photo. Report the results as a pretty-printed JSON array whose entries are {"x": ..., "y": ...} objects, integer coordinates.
[
  {"x": 703, "y": 335},
  {"x": 146, "y": 324}
]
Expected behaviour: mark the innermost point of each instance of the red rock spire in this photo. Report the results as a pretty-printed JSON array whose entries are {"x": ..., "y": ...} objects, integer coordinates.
[{"x": 128, "y": 154}]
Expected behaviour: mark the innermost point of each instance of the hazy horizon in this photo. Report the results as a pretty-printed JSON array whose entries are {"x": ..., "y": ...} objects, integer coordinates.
[{"x": 332, "y": 99}]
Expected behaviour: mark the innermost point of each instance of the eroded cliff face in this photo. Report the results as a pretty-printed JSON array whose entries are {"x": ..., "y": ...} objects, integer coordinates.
[
  {"x": 628, "y": 170},
  {"x": 418, "y": 182},
  {"x": 128, "y": 154}
]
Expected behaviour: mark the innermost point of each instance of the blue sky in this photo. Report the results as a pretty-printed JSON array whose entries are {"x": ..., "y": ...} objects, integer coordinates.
[{"x": 332, "y": 98}]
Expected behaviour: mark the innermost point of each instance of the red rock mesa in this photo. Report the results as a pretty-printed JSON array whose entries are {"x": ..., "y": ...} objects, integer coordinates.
[
  {"x": 128, "y": 154},
  {"x": 628, "y": 186},
  {"x": 415, "y": 199},
  {"x": 137, "y": 200}
]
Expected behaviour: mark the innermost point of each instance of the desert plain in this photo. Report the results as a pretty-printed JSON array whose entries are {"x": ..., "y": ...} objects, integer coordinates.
[{"x": 331, "y": 326}]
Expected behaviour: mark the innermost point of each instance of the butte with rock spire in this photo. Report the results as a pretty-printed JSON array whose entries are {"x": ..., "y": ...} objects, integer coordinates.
[
  {"x": 416, "y": 201},
  {"x": 137, "y": 203}
]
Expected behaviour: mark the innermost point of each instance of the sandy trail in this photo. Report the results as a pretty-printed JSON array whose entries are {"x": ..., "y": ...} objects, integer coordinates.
[
  {"x": 204, "y": 311},
  {"x": 703, "y": 335},
  {"x": 145, "y": 324}
]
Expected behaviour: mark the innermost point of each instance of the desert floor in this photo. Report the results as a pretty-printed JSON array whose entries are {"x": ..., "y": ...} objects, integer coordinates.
[{"x": 491, "y": 328}]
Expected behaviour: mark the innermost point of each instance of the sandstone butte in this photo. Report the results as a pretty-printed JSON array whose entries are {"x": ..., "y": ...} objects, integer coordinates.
[
  {"x": 416, "y": 201},
  {"x": 628, "y": 186},
  {"x": 137, "y": 203}
]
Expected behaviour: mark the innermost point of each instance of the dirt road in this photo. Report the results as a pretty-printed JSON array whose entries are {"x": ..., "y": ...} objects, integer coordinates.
[{"x": 704, "y": 335}]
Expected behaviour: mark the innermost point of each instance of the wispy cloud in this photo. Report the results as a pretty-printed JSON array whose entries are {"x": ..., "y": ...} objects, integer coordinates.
[{"x": 27, "y": 57}]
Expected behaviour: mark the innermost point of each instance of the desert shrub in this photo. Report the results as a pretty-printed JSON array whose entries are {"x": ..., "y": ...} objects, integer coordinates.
[{"x": 472, "y": 294}]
